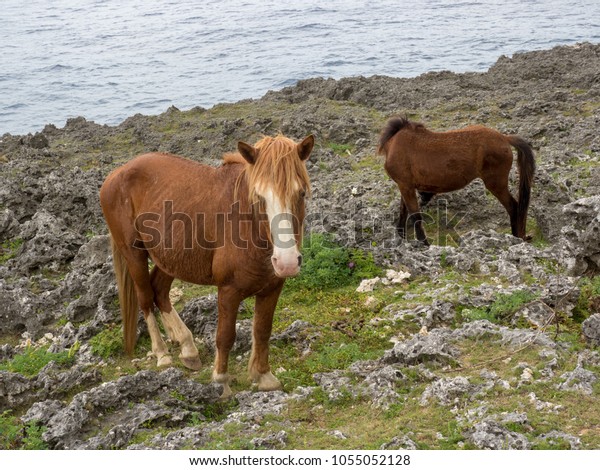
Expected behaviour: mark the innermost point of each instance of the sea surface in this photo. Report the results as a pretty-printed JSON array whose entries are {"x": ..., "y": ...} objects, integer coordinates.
[{"x": 107, "y": 59}]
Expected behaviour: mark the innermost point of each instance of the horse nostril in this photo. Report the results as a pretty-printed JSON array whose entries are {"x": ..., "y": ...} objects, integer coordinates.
[{"x": 300, "y": 260}]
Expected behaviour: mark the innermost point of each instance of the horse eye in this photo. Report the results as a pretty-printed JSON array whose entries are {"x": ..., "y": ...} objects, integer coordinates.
[{"x": 302, "y": 193}]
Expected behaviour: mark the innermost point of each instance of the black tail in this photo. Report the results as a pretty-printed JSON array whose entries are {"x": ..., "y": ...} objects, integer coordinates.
[
  {"x": 526, "y": 164},
  {"x": 391, "y": 128}
]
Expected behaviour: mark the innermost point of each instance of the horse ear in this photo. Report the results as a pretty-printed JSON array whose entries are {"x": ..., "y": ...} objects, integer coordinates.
[
  {"x": 305, "y": 147},
  {"x": 247, "y": 151}
]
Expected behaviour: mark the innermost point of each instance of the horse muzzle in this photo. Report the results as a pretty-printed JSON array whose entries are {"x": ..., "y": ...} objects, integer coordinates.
[{"x": 286, "y": 266}]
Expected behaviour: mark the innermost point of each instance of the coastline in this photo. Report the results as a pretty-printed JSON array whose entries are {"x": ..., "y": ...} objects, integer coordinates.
[{"x": 57, "y": 287}]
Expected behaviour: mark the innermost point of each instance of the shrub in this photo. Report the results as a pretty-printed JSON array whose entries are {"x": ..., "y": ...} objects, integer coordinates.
[
  {"x": 108, "y": 343},
  {"x": 13, "y": 435},
  {"x": 326, "y": 264}
]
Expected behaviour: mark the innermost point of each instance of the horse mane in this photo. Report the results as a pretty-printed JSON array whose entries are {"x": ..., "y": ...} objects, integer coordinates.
[
  {"x": 278, "y": 163},
  {"x": 393, "y": 126}
]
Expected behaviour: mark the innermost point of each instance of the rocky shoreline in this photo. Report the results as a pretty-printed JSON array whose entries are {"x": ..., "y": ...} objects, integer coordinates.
[{"x": 58, "y": 293}]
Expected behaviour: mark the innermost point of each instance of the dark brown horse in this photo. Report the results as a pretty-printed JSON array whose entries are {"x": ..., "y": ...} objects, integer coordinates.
[
  {"x": 238, "y": 227},
  {"x": 420, "y": 160}
]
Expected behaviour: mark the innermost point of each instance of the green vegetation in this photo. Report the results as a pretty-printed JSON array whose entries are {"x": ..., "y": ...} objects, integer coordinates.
[
  {"x": 342, "y": 150},
  {"x": 108, "y": 343},
  {"x": 15, "y": 435},
  {"x": 589, "y": 297},
  {"x": 326, "y": 264},
  {"x": 32, "y": 360},
  {"x": 502, "y": 309},
  {"x": 9, "y": 249}
]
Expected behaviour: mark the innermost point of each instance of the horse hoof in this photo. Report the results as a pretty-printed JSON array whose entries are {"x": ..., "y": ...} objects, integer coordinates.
[
  {"x": 192, "y": 363},
  {"x": 268, "y": 382},
  {"x": 226, "y": 394},
  {"x": 164, "y": 361}
]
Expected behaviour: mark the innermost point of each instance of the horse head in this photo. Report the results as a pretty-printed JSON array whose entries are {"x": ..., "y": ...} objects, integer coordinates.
[{"x": 278, "y": 181}]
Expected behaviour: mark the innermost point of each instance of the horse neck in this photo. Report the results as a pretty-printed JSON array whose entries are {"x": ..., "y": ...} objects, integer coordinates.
[{"x": 249, "y": 220}]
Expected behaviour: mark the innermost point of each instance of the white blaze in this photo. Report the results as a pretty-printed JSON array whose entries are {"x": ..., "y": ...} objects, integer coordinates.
[{"x": 285, "y": 251}]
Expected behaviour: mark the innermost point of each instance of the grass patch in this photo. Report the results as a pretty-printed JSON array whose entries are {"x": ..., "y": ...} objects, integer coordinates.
[
  {"x": 501, "y": 310},
  {"x": 327, "y": 265},
  {"x": 32, "y": 360},
  {"x": 108, "y": 343},
  {"x": 15, "y": 435},
  {"x": 342, "y": 150},
  {"x": 9, "y": 249}
]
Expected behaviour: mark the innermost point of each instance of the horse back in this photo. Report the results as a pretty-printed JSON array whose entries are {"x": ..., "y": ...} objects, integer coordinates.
[
  {"x": 170, "y": 207},
  {"x": 440, "y": 162}
]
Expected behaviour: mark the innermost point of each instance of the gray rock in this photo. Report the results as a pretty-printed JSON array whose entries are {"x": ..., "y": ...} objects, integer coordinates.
[
  {"x": 433, "y": 347},
  {"x": 553, "y": 438},
  {"x": 400, "y": 443},
  {"x": 580, "y": 240},
  {"x": 272, "y": 441},
  {"x": 12, "y": 387},
  {"x": 48, "y": 244},
  {"x": 492, "y": 435},
  {"x": 337, "y": 384},
  {"x": 66, "y": 426},
  {"x": 9, "y": 225},
  {"x": 579, "y": 379},
  {"x": 450, "y": 392},
  {"x": 538, "y": 314},
  {"x": 591, "y": 329}
]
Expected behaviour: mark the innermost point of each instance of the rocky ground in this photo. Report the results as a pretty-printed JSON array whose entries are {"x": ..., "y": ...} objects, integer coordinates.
[{"x": 485, "y": 342}]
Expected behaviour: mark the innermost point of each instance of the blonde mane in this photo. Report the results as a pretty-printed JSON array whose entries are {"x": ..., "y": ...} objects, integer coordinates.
[{"x": 278, "y": 164}]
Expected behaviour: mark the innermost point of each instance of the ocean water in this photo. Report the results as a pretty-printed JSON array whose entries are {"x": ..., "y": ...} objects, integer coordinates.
[{"x": 107, "y": 59}]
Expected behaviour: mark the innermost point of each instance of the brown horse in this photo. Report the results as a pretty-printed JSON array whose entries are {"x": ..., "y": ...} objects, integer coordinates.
[
  {"x": 420, "y": 160},
  {"x": 238, "y": 227}
]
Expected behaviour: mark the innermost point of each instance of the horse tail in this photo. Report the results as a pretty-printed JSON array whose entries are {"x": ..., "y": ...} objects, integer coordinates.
[
  {"x": 393, "y": 126},
  {"x": 127, "y": 298},
  {"x": 526, "y": 164}
]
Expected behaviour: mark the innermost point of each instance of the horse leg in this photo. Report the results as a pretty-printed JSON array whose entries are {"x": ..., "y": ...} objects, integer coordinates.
[
  {"x": 401, "y": 226},
  {"x": 229, "y": 302},
  {"x": 258, "y": 366},
  {"x": 137, "y": 264},
  {"x": 176, "y": 329},
  {"x": 409, "y": 196},
  {"x": 500, "y": 190},
  {"x": 159, "y": 348}
]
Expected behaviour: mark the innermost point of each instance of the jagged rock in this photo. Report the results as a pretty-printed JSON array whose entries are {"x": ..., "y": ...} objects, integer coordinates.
[
  {"x": 12, "y": 386},
  {"x": 512, "y": 336},
  {"x": 272, "y": 441},
  {"x": 580, "y": 240},
  {"x": 337, "y": 384},
  {"x": 580, "y": 379},
  {"x": 66, "y": 426},
  {"x": 18, "y": 390},
  {"x": 450, "y": 391},
  {"x": 591, "y": 329},
  {"x": 538, "y": 314},
  {"x": 48, "y": 244},
  {"x": 130, "y": 421},
  {"x": 433, "y": 347},
  {"x": 9, "y": 225},
  {"x": 492, "y": 435},
  {"x": 400, "y": 443}
]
